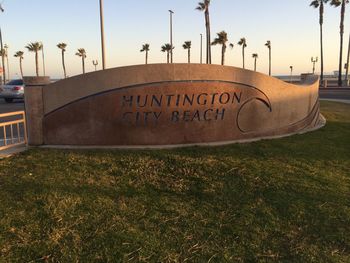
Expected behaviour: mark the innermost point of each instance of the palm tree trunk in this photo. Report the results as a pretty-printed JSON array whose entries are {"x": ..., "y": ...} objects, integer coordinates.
[
  {"x": 243, "y": 57},
  {"x": 321, "y": 37},
  {"x": 3, "y": 68},
  {"x": 207, "y": 25},
  {"x": 20, "y": 66},
  {"x": 167, "y": 56},
  {"x": 189, "y": 55},
  {"x": 254, "y": 64},
  {"x": 2, "y": 60},
  {"x": 146, "y": 57},
  {"x": 347, "y": 63},
  {"x": 83, "y": 62},
  {"x": 8, "y": 67},
  {"x": 223, "y": 50},
  {"x": 270, "y": 61},
  {"x": 36, "y": 64},
  {"x": 64, "y": 66},
  {"x": 342, "y": 14}
]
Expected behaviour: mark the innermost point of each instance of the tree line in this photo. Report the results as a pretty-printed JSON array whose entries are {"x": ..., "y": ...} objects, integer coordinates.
[
  {"x": 320, "y": 5},
  {"x": 221, "y": 39}
]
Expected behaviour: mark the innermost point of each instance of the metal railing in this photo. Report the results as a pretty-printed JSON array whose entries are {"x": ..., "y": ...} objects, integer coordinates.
[{"x": 13, "y": 130}]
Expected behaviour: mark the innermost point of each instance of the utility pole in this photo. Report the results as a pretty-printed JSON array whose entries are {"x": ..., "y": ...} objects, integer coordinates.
[
  {"x": 201, "y": 49},
  {"x": 171, "y": 35},
  {"x": 102, "y": 36}
]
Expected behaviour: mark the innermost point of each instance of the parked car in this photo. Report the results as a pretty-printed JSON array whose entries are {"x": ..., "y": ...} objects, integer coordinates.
[{"x": 14, "y": 89}]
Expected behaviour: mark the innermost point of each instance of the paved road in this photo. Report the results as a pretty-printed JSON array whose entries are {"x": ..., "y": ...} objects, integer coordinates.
[
  {"x": 335, "y": 94},
  {"x": 9, "y": 107}
]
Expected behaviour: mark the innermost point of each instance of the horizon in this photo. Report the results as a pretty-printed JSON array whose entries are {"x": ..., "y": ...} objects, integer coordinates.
[{"x": 295, "y": 38}]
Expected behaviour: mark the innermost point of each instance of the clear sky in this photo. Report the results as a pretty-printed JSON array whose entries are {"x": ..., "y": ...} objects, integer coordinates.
[{"x": 291, "y": 25}]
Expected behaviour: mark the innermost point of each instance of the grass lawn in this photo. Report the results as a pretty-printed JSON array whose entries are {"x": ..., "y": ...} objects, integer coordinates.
[{"x": 285, "y": 200}]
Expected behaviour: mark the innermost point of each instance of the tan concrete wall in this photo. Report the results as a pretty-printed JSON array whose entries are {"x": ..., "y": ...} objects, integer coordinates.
[
  {"x": 34, "y": 107},
  {"x": 86, "y": 109}
]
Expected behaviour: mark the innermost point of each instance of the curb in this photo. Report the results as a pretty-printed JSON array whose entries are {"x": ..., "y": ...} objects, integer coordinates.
[
  {"x": 12, "y": 151},
  {"x": 336, "y": 100}
]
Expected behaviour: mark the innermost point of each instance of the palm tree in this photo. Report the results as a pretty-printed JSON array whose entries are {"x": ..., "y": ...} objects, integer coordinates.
[
  {"x": 82, "y": 53},
  {"x": 145, "y": 48},
  {"x": 243, "y": 42},
  {"x": 167, "y": 48},
  {"x": 320, "y": 5},
  {"x": 221, "y": 40},
  {"x": 341, "y": 3},
  {"x": 35, "y": 47},
  {"x": 63, "y": 46},
  {"x": 268, "y": 44},
  {"x": 204, "y": 6},
  {"x": 255, "y": 56},
  {"x": 19, "y": 54},
  {"x": 187, "y": 45}
]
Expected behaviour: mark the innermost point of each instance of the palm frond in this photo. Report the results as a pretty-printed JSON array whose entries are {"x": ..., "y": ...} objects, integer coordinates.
[
  {"x": 34, "y": 46},
  {"x": 221, "y": 38},
  {"x": 62, "y": 46},
  {"x": 19, "y": 54},
  {"x": 315, "y": 3},
  {"x": 187, "y": 45}
]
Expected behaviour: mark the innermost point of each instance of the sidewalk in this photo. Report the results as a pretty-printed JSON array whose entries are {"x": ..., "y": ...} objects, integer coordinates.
[
  {"x": 11, "y": 151},
  {"x": 335, "y": 88},
  {"x": 336, "y": 100}
]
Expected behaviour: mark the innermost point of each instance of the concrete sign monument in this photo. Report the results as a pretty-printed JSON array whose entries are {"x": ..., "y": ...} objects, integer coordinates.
[{"x": 169, "y": 104}]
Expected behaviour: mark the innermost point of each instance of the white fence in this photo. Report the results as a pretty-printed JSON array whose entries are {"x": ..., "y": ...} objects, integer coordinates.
[{"x": 12, "y": 129}]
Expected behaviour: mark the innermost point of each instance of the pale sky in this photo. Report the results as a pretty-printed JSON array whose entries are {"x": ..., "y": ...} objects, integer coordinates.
[{"x": 291, "y": 25}]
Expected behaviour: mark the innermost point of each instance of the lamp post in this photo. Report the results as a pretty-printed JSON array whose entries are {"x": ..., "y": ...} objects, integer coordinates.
[
  {"x": 314, "y": 61},
  {"x": 95, "y": 63},
  {"x": 171, "y": 35},
  {"x": 201, "y": 49},
  {"x": 291, "y": 73},
  {"x": 102, "y": 36}
]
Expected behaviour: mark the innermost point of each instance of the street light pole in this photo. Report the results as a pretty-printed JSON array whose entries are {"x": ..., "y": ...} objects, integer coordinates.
[
  {"x": 313, "y": 60},
  {"x": 171, "y": 35},
  {"x": 102, "y": 36},
  {"x": 95, "y": 63},
  {"x": 201, "y": 48}
]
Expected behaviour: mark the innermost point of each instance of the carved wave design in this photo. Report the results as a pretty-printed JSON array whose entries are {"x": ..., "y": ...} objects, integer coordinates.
[{"x": 262, "y": 98}]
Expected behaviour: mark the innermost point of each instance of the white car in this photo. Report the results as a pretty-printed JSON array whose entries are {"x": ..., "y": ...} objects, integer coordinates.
[{"x": 14, "y": 89}]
